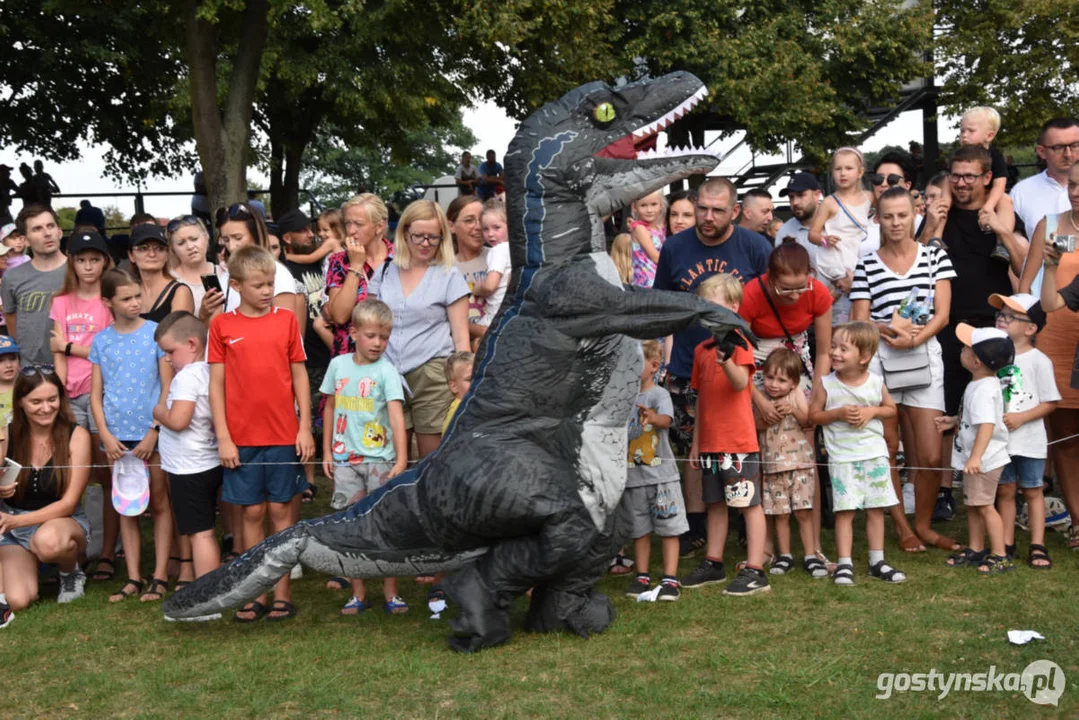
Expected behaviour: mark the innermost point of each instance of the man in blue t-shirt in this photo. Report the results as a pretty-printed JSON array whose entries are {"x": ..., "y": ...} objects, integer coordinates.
[
  {"x": 491, "y": 177},
  {"x": 714, "y": 245}
]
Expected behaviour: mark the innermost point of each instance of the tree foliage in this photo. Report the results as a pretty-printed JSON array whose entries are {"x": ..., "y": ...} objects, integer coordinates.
[{"x": 1020, "y": 56}]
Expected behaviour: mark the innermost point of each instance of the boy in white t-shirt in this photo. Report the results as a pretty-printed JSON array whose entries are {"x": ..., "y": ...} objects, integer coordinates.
[
  {"x": 981, "y": 445},
  {"x": 1030, "y": 394},
  {"x": 188, "y": 442}
]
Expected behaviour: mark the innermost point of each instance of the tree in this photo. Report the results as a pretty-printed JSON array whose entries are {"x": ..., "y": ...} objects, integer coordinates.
[{"x": 1019, "y": 57}]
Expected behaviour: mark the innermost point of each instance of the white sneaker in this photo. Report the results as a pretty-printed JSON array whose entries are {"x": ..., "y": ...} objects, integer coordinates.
[
  {"x": 72, "y": 586},
  {"x": 296, "y": 573}
]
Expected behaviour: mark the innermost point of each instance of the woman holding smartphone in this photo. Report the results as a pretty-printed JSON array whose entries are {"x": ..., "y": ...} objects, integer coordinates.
[
  {"x": 41, "y": 520},
  {"x": 188, "y": 241}
]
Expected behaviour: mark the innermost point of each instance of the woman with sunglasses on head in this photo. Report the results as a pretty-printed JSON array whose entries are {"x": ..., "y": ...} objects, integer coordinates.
[
  {"x": 161, "y": 292},
  {"x": 41, "y": 520},
  {"x": 237, "y": 227},
  {"x": 883, "y": 281},
  {"x": 781, "y": 306},
  {"x": 189, "y": 241}
]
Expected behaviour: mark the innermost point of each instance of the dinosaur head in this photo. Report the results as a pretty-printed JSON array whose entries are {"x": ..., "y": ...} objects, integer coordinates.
[{"x": 589, "y": 154}]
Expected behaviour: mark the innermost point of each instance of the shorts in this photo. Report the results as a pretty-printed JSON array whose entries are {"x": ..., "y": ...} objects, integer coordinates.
[
  {"x": 80, "y": 407},
  {"x": 194, "y": 500},
  {"x": 351, "y": 479},
  {"x": 425, "y": 408},
  {"x": 684, "y": 400},
  {"x": 1027, "y": 471},
  {"x": 271, "y": 474},
  {"x": 732, "y": 478},
  {"x": 656, "y": 509},
  {"x": 23, "y": 535},
  {"x": 956, "y": 377},
  {"x": 929, "y": 398},
  {"x": 980, "y": 489},
  {"x": 787, "y": 491},
  {"x": 862, "y": 485}
]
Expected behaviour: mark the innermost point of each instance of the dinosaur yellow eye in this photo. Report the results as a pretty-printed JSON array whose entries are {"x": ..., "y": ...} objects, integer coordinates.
[{"x": 604, "y": 113}]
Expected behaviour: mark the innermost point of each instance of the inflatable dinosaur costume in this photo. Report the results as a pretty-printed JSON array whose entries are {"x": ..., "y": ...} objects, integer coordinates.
[{"x": 523, "y": 491}]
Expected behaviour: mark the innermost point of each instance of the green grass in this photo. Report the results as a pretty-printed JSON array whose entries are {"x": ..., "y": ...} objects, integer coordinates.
[{"x": 807, "y": 649}]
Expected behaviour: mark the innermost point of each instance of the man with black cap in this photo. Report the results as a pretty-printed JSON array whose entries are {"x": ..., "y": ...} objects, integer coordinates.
[
  {"x": 804, "y": 194},
  {"x": 28, "y": 289}
]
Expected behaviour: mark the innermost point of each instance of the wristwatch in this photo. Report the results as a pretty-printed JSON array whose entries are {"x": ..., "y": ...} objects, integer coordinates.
[
  {"x": 67, "y": 350},
  {"x": 156, "y": 428}
]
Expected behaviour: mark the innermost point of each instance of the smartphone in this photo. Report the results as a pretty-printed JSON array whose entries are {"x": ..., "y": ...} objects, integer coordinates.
[
  {"x": 11, "y": 472},
  {"x": 210, "y": 282}
]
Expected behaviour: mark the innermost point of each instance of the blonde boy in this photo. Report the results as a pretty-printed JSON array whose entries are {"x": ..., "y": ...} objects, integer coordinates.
[
  {"x": 979, "y": 126},
  {"x": 459, "y": 378}
]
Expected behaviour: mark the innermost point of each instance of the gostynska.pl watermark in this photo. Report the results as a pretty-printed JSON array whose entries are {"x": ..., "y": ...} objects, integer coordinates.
[{"x": 1042, "y": 681}]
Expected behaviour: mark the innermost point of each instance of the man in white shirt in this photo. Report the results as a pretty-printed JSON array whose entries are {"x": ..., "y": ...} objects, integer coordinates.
[
  {"x": 467, "y": 175},
  {"x": 805, "y": 196},
  {"x": 1047, "y": 192}
]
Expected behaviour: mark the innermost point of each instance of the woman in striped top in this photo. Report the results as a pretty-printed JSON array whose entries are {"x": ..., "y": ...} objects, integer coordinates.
[{"x": 882, "y": 280}]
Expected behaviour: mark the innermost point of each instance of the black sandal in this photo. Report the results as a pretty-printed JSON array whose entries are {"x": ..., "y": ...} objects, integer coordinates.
[
  {"x": 887, "y": 573},
  {"x": 123, "y": 593},
  {"x": 281, "y": 606},
  {"x": 179, "y": 584},
  {"x": 782, "y": 565},
  {"x": 337, "y": 583},
  {"x": 309, "y": 494},
  {"x": 966, "y": 558},
  {"x": 844, "y": 574},
  {"x": 152, "y": 590},
  {"x": 102, "y": 574},
  {"x": 254, "y": 606},
  {"x": 815, "y": 567},
  {"x": 995, "y": 565},
  {"x": 1039, "y": 552}
]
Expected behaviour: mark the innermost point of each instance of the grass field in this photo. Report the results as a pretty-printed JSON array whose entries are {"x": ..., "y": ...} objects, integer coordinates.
[{"x": 807, "y": 649}]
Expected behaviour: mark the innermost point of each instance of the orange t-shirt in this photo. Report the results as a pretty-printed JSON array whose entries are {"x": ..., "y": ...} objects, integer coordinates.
[
  {"x": 724, "y": 417},
  {"x": 260, "y": 405}
]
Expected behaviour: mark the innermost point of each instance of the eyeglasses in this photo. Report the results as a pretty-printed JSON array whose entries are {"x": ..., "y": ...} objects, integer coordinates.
[
  {"x": 792, "y": 291},
  {"x": 965, "y": 178},
  {"x": 1074, "y": 147},
  {"x": 430, "y": 240},
  {"x": 916, "y": 195},
  {"x": 878, "y": 179},
  {"x": 182, "y": 221},
  {"x": 238, "y": 211},
  {"x": 32, "y": 370},
  {"x": 1009, "y": 318}
]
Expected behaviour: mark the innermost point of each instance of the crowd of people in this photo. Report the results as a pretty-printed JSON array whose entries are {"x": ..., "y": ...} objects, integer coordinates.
[{"x": 203, "y": 375}]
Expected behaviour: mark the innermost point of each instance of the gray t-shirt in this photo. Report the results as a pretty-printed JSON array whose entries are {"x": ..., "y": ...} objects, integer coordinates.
[
  {"x": 650, "y": 460},
  {"x": 27, "y": 292},
  {"x": 421, "y": 326}
]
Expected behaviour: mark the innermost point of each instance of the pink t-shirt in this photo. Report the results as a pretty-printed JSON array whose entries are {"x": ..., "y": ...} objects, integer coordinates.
[{"x": 79, "y": 320}]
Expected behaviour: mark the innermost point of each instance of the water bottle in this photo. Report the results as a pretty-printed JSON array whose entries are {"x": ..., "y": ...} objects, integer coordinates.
[
  {"x": 925, "y": 311},
  {"x": 906, "y": 308}
]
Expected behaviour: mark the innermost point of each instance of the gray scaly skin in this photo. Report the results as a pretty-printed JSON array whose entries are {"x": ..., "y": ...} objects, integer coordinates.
[{"x": 523, "y": 490}]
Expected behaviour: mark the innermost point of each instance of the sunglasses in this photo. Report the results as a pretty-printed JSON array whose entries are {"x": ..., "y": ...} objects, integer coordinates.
[
  {"x": 32, "y": 370},
  {"x": 182, "y": 221},
  {"x": 237, "y": 211},
  {"x": 878, "y": 179}
]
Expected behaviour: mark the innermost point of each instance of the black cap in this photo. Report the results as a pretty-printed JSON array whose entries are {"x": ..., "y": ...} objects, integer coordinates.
[
  {"x": 86, "y": 240},
  {"x": 800, "y": 183},
  {"x": 293, "y": 221},
  {"x": 146, "y": 232}
]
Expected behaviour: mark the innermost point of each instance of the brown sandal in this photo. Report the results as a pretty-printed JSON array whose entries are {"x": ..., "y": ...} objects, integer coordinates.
[{"x": 912, "y": 544}]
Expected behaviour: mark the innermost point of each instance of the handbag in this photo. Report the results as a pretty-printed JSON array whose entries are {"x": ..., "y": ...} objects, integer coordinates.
[
  {"x": 792, "y": 346},
  {"x": 907, "y": 369}
]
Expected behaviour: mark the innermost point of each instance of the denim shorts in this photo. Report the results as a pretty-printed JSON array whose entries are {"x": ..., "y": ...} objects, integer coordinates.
[
  {"x": 1027, "y": 471},
  {"x": 269, "y": 473},
  {"x": 22, "y": 536}
]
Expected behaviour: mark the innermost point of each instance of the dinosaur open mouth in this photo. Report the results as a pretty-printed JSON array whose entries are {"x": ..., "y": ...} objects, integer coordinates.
[{"x": 641, "y": 143}]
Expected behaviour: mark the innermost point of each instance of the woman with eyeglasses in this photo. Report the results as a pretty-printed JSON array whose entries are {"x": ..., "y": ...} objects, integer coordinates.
[
  {"x": 161, "y": 292},
  {"x": 883, "y": 281},
  {"x": 464, "y": 214},
  {"x": 429, "y": 299},
  {"x": 41, "y": 519},
  {"x": 781, "y": 307},
  {"x": 238, "y": 226},
  {"x": 189, "y": 241}
]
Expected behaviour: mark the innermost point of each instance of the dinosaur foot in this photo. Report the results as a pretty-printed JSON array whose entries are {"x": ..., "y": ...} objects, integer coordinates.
[
  {"x": 480, "y": 622},
  {"x": 581, "y": 613}
]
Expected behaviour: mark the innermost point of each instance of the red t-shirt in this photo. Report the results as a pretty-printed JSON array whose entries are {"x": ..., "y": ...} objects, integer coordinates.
[
  {"x": 258, "y": 354},
  {"x": 724, "y": 417},
  {"x": 797, "y": 317}
]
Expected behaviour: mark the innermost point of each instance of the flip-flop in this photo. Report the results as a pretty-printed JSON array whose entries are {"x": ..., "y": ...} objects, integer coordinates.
[
  {"x": 254, "y": 606},
  {"x": 281, "y": 606}
]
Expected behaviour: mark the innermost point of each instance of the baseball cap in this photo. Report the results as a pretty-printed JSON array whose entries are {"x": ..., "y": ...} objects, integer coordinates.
[
  {"x": 293, "y": 221},
  {"x": 86, "y": 240},
  {"x": 992, "y": 346},
  {"x": 800, "y": 183},
  {"x": 7, "y": 229},
  {"x": 1022, "y": 303},
  {"x": 4, "y": 250},
  {"x": 130, "y": 485},
  {"x": 147, "y": 232},
  {"x": 8, "y": 346}
]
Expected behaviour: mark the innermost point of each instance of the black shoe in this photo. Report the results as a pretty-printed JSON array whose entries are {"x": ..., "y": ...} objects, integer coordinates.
[
  {"x": 668, "y": 590},
  {"x": 637, "y": 586},
  {"x": 944, "y": 510},
  {"x": 688, "y": 543},
  {"x": 748, "y": 582},
  {"x": 707, "y": 573},
  {"x": 6, "y": 615}
]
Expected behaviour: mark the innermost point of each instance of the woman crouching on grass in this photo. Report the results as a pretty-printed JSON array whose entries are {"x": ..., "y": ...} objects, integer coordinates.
[{"x": 41, "y": 520}]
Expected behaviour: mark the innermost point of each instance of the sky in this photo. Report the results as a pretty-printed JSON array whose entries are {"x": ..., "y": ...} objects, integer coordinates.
[{"x": 488, "y": 122}]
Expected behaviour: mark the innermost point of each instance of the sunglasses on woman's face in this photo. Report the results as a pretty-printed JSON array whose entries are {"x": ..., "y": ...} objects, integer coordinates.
[
  {"x": 238, "y": 211},
  {"x": 32, "y": 370},
  {"x": 182, "y": 221},
  {"x": 878, "y": 179}
]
